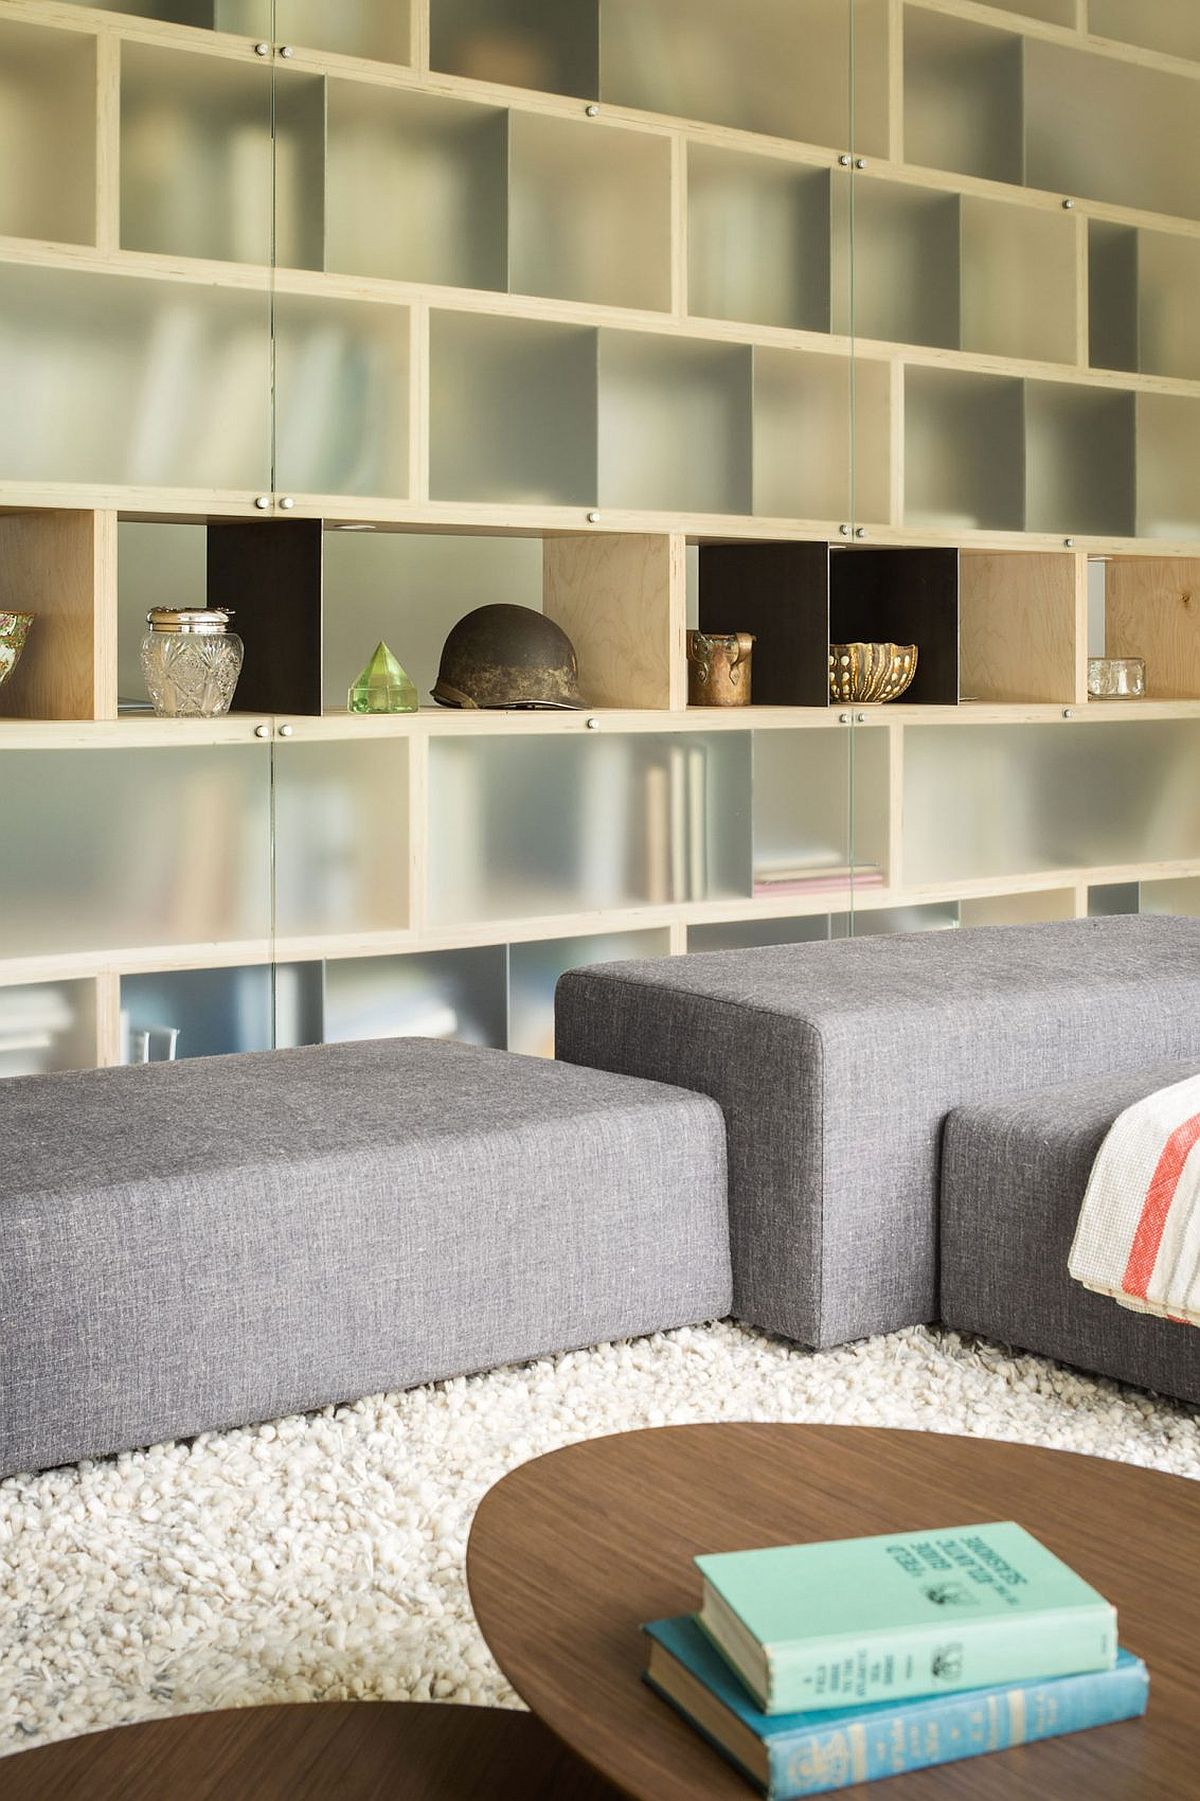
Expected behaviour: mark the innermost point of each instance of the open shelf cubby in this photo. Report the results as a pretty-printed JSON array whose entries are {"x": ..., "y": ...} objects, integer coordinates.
[
  {"x": 1021, "y": 626},
  {"x": 797, "y": 599},
  {"x": 981, "y": 100},
  {"x": 47, "y": 133},
  {"x": 618, "y": 820},
  {"x": 766, "y": 68},
  {"x": 1141, "y": 313},
  {"x": 1152, "y": 611},
  {"x": 311, "y": 604}
]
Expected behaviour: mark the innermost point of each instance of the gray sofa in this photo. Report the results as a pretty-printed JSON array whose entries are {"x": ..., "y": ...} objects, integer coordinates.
[
  {"x": 1013, "y": 1175},
  {"x": 193, "y": 1245},
  {"x": 836, "y": 1065}
]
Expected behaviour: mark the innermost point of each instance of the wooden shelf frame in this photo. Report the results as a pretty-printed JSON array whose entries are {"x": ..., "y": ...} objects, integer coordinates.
[
  {"x": 618, "y": 581},
  {"x": 1157, "y": 435}
]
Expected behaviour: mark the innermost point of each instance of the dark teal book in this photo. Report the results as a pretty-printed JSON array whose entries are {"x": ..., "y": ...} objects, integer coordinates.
[{"x": 788, "y": 1755}]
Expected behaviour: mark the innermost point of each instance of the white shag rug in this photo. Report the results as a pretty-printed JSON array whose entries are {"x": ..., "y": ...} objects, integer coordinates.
[{"x": 322, "y": 1557}]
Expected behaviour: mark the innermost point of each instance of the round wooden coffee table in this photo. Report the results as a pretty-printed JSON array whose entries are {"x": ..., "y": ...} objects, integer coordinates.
[
  {"x": 570, "y": 1553},
  {"x": 324, "y": 1751}
]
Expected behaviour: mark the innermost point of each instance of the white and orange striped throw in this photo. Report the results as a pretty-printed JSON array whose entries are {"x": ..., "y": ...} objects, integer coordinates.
[{"x": 1138, "y": 1237}]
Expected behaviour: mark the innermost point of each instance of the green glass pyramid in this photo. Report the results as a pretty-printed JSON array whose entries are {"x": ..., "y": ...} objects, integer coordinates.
[{"x": 383, "y": 686}]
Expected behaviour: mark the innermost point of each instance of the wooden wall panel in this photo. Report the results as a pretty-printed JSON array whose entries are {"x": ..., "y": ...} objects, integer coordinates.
[
  {"x": 62, "y": 567},
  {"x": 1023, "y": 626},
  {"x": 616, "y": 597},
  {"x": 1152, "y": 610}
]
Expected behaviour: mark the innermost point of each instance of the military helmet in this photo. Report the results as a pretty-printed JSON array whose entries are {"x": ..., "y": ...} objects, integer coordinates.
[{"x": 505, "y": 656}]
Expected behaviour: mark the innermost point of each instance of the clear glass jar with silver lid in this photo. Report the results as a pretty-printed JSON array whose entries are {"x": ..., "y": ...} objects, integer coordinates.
[{"x": 191, "y": 661}]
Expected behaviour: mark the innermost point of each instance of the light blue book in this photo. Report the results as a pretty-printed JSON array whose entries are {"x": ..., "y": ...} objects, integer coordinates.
[
  {"x": 788, "y": 1755},
  {"x": 852, "y": 1620}
]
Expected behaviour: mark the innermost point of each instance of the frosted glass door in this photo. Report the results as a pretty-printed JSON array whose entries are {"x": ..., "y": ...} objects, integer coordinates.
[
  {"x": 154, "y": 375},
  {"x": 155, "y": 856}
]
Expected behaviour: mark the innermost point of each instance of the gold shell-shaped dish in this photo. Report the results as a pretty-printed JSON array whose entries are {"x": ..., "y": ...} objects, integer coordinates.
[
  {"x": 14, "y": 629},
  {"x": 865, "y": 672}
]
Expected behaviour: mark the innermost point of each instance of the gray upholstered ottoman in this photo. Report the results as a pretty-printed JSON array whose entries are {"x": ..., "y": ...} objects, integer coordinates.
[
  {"x": 209, "y": 1243},
  {"x": 1013, "y": 1177},
  {"x": 836, "y": 1064}
]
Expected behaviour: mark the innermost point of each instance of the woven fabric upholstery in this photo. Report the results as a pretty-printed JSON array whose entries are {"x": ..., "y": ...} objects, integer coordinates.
[
  {"x": 836, "y": 1063},
  {"x": 194, "y": 1245},
  {"x": 1013, "y": 1176}
]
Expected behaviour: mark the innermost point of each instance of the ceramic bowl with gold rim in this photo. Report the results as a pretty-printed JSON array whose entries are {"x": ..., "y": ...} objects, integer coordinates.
[{"x": 870, "y": 672}]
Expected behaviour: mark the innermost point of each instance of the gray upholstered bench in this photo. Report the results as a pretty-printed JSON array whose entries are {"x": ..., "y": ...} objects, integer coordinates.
[
  {"x": 1013, "y": 1177},
  {"x": 193, "y": 1245},
  {"x": 836, "y": 1065}
]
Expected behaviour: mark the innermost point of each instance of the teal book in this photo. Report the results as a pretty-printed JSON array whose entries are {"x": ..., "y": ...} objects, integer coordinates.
[
  {"x": 853, "y": 1620},
  {"x": 789, "y": 1755}
]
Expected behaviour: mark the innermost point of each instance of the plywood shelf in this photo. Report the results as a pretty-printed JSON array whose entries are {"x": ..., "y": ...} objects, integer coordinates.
[{"x": 549, "y": 296}]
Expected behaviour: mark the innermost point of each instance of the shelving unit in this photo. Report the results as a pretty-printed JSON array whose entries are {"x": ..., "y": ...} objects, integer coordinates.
[{"x": 647, "y": 313}]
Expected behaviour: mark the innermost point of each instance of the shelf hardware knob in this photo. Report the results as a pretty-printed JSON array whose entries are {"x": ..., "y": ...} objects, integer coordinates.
[
  {"x": 845, "y": 530},
  {"x": 262, "y": 731},
  {"x": 593, "y": 518},
  {"x": 262, "y": 49},
  {"x": 845, "y": 159},
  {"x": 262, "y": 502},
  {"x": 860, "y": 162},
  {"x": 860, "y": 531},
  {"x": 1070, "y": 543},
  {"x": 1067, "y": 713},
  {"x": 1068, "y": 206},
  {"x": 592, "y": 111},
  {"x": 286, "y": 50},
  {"x": 287, "y": 503},
  {"x": 843, "y": 718},
  {"x": 861, "y": 718},
  {"x": 286, "y": 731},
  {"x": 593, "y": 725}
]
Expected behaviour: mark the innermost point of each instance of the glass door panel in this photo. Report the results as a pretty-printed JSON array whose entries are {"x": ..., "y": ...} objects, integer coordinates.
[
  {"x": 147, "y": 375},
  {"x": 149, "y": 868}
]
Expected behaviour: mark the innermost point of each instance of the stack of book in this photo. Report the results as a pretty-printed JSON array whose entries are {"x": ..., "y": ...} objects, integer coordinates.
[{"x": 815, "y": 1666}]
